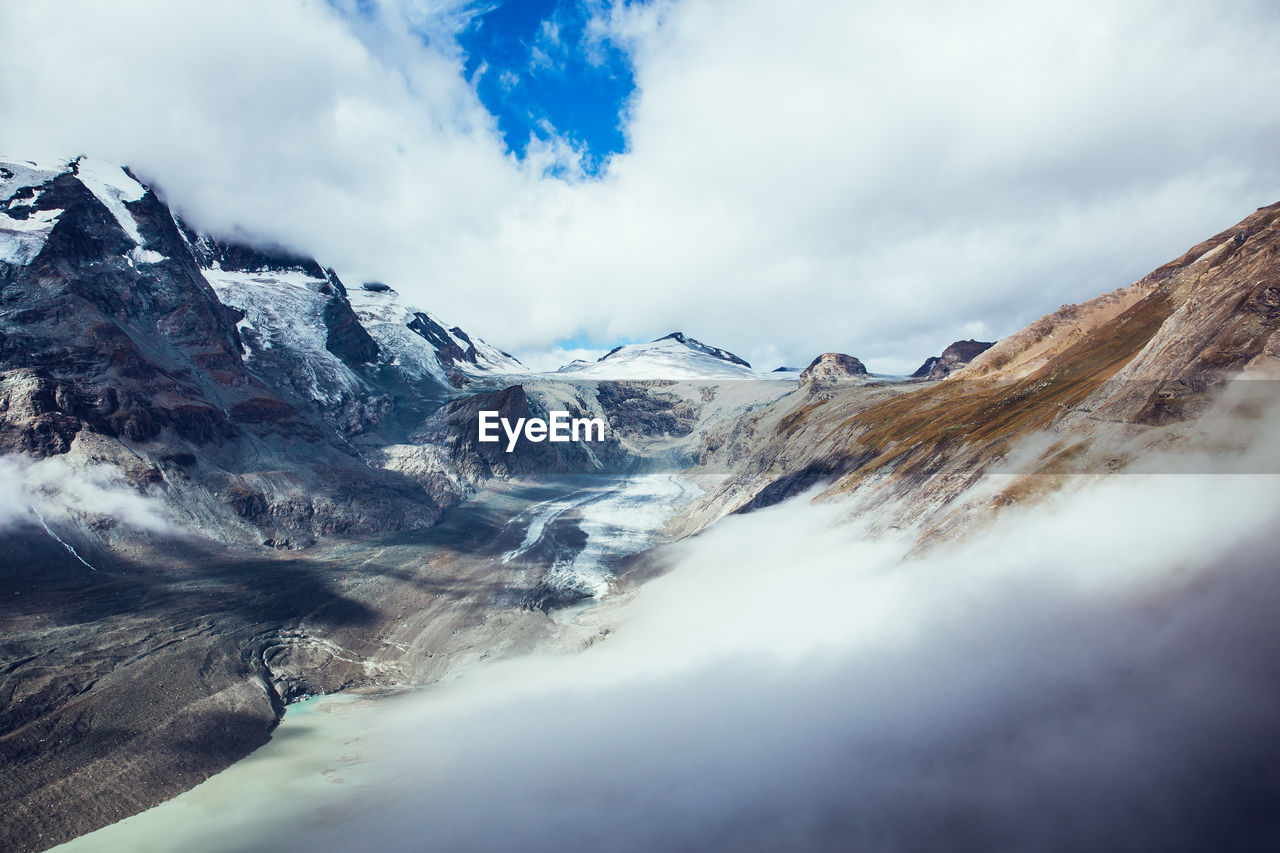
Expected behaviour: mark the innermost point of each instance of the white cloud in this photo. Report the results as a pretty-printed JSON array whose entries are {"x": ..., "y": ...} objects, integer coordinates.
[
  {"x": 509, "y": 79},
  {"x": 878, "y": 178},
  {"x": 555, "y": 357},
  {"x": 53, "y": 489},
  {"x": 788, "y": 686}
]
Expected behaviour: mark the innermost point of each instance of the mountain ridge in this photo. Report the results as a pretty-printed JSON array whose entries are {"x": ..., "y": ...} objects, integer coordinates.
[{"x": 1100, "y": 382}]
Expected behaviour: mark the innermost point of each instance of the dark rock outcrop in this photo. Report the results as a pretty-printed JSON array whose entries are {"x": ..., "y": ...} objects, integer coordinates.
[
  {"x": 456, "y": 426},
  {"x": 448, "y": 349},
  {"x": 346, "y": 338},
  {"x": 79, "y": 347},
  {"x": 454, "y": 430},
  {"x": 640, "y": 410},
  {"x": 953, "y": 357},
  {"x": 237, "y": 257}
]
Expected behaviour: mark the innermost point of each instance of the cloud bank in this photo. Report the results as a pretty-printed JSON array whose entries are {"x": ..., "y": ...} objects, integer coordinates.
[
  {"x": 876, "y": 178},
  {"x": 1094, "y": 673}
]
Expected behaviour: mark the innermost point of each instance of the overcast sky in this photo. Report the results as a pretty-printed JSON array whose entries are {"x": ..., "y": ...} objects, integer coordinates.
[{"x": 776, "y": 179}]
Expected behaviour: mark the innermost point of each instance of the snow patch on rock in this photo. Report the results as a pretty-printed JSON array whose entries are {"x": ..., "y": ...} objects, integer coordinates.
[
  {"x": 387, "y": 318},
  {"x": 113, "y": 187},
  {"x": 22, "y": 237},
  {"x": 284, "y": 310}
]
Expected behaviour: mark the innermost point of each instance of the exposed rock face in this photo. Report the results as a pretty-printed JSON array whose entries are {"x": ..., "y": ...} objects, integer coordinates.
[
  {"x": 345, "y": 337},
  {"x": 953, "y": 357},
  {"x": 453, "y": 433},
  {"x": 451, "y": 350},
  {"x": 833, "y": 367},
  {"x": 212, "y": 253},
  {"x": 112, "y": 331},
  {"x": 640, "y": 410},
  {"x": 78, "y": 342}
]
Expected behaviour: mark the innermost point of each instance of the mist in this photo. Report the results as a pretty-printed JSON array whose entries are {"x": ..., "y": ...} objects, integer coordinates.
[
  {"x": 1095, "y": 672},
  {"x": 54, "y": 489}
]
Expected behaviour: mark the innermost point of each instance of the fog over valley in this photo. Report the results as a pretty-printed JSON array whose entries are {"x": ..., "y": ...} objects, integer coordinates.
[{"x": 791, "y": 683}]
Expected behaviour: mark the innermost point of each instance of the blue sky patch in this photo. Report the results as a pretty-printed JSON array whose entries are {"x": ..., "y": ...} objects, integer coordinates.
[{"x": 542, "y": 73}]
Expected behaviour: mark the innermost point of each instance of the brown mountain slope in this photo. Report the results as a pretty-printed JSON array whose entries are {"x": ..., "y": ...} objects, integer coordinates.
[{"x": 1096, "y": 383}]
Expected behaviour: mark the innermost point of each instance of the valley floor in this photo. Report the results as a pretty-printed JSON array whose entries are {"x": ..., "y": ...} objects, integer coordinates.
[{"x": 125, "y": 686}]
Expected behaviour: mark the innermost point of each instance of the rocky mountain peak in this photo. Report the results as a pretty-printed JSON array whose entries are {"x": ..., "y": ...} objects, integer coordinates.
[
  {"x": 699, "y": 346},
  {"x": 833, "y": 367},
  {"x": 672, "y": 356},
  {"x": 214, "y": 253}
]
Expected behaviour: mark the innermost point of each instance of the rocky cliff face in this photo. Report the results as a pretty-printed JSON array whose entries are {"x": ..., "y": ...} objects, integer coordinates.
[
  {"x": 445, "y": 454},
  {"x": 115, "y": 348},
  {"x": 104, "y": 331}
]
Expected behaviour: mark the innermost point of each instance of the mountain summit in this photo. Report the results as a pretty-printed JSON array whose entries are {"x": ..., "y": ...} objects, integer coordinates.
[
  {"x": 833, "y": 367},
  {"x": 673, "y": 356}
]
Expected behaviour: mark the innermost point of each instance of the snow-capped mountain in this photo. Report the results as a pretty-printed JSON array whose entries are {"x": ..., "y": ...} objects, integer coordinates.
[
  {"x": 295, "y": 313},
  {"x": 301, "y": 316},
  {"x": 674, "y": 356},
  {"x": 129, "y": 336},
  {"x": 418, "y": 342},
  {"x": 294, "y": 318},
  {"x": 254, "y": 404},
  {"x": 283, "y": 328}
]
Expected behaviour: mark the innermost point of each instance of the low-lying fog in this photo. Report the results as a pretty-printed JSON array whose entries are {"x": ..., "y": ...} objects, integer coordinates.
[{"x": 1097, "y": 672}]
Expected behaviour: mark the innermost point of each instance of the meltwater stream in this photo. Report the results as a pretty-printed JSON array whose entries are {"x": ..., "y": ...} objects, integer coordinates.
[{"x": 574, "y": 543}]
